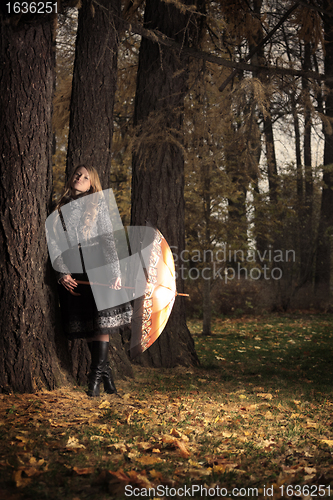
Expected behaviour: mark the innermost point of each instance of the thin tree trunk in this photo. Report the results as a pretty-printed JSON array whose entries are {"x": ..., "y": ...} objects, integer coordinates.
[
  {"x": 158, "y": 162},
  {"x": 299, "y": 169},
  {"x": 304, "y": 188},
  {"x": 28, "y": 351},
  {"x": 271, "y": 159},
  {"x": 206, "y": 288},
  {"x": 237, "y": 170},
  {"x": 306, "y": 224},
  {"x": 259, "y": 58},
  {"x": 268, "y": 125},
  {"x": 94, "y": 86},
  {"x": 262, "y": 239},
  {"x": 206, "y": 308},
  {"x": 307, "y": 129}
]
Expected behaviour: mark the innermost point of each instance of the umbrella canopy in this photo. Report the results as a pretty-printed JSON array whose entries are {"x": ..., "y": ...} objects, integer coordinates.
[{"x": 152, "y": 310}]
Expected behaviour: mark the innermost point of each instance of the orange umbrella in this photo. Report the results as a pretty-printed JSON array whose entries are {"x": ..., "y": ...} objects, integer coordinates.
[{"x": 151, "y": 312}]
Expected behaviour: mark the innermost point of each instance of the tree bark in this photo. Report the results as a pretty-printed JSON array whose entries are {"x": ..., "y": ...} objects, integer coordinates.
[
  {"x": 91, "y": 129},
  {"x": 206, "y": 308},
  {"x": 94, "y": 86},
  {"x": 27, "y": 344},
  {"x": 271, "y": 159},
  {"x": 267, "y": 120},
  {"x": 306, "y": 209},
  {"x": 206, "y": 284},
  {"x": 158, "y": 160},
  {"x": 259, "y": 58},
  {"x": 323, "y": 264},
  {"x": 238, "y": 170}
]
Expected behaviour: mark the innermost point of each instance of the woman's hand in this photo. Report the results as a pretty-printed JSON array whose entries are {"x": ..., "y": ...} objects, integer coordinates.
[
  {"x": 68, "y": 282},
  {"x": 117, "y": 284}
]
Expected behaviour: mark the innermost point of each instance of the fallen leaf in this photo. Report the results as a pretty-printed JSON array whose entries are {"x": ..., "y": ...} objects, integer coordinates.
[
  {"x": 156, "y": 475},
  {"x": 20, "y": 481},
  {"x": 149, "y": 460},
  {"x": 104, "y": 404},
  {"x": 310, "y": 470},
  {"x": 170, "y": 440},
  {"x": 83, "y": 471},
  {"x": 177, "y": 434},
  {"x": 97, "y": 438},
  {"x": 73, "y": 443},
  {"x": 120, "y": 474},
  {"x": 34, "y": 461},
  {"x": 184, "y": 453},
  {"x": 144, "y": 445},
  {"x": 119, "y": 446},
  {"x": 30, "y": 471},
  {"x": 22, "y": 439},
  {"x": 198, "y": 473},
  {"x": 173, "y": 441},
  {"x": 221, "y": 468},
  {"x": 265, "y": 395},
  {"x": 329, "y": 442},
  {"x": 311, "y": 425}
]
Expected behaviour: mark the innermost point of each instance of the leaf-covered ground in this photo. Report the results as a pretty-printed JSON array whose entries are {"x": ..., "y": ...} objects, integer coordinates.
[{"x": 254, "y": 421}]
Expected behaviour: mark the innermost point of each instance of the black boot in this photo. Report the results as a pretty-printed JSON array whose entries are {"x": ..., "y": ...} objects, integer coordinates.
[
  {"x": 108, "y": 382},
  {"x": 100, "y": 370},
  {"x": 99, "y": 351}
]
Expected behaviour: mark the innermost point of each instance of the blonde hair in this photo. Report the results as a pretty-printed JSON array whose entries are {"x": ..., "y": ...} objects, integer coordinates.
[{"x": 68, "y": 195}]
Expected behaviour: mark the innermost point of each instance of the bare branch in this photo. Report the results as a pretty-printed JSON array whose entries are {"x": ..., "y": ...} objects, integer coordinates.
[{"x": 158, "y": 37}]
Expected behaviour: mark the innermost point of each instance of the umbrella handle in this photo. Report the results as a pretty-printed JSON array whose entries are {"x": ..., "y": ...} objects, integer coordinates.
[
  {"x": 102, "y": 284},
  {"x": 92, "y": 283}
]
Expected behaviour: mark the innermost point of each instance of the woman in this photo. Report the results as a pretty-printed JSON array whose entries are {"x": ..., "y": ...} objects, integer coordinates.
[{"x": 85, "y": 222}]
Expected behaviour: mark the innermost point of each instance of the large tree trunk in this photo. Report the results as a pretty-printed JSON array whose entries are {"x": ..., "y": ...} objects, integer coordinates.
[
  {"x": 91, "y": 129},
  {"x": 323, "y": 264},
  {"x": 158, "y": 162},
  {"x": 94, "y": 86},
  {"x": 27, "y": 346}
]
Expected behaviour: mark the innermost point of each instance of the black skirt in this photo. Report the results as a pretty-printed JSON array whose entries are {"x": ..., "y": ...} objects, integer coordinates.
[{"x": 80, "y": 316}]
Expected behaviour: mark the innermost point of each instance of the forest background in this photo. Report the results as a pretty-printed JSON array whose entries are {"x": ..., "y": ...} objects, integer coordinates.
[{"x": 212, "y": 120}]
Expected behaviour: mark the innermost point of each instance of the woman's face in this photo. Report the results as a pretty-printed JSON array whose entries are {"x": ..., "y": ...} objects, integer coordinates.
[{"x": 81, "y": 181}]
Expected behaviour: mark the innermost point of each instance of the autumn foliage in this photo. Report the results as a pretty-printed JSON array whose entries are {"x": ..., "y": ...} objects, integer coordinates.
[{"x": 256, "y": 415}]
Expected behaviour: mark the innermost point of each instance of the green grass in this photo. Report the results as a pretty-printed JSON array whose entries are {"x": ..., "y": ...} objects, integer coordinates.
[{"x": 289, "y": 349}]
